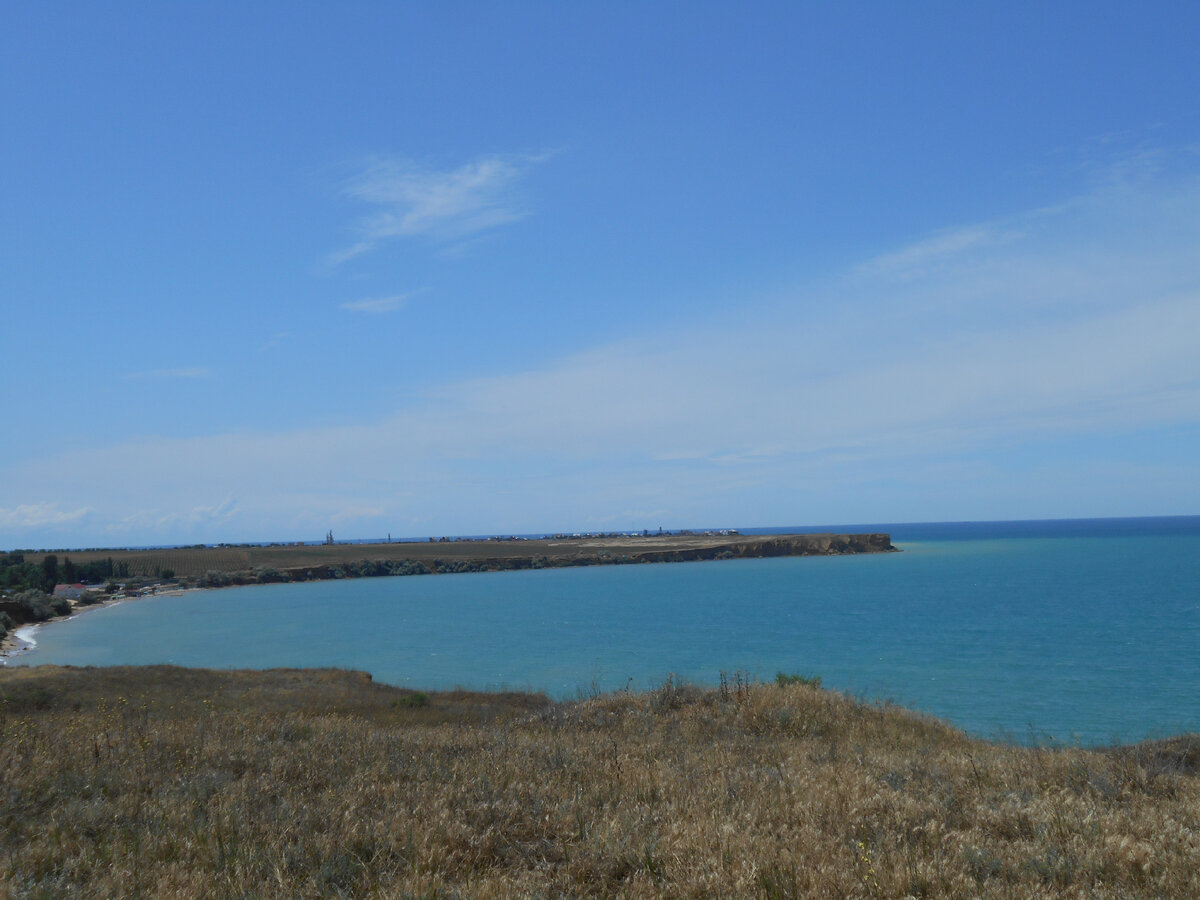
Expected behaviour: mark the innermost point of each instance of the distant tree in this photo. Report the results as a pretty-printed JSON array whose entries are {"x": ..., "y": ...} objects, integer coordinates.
[
  {"x": 68, "y": 570},
  {"x": 49, "y": 572}
]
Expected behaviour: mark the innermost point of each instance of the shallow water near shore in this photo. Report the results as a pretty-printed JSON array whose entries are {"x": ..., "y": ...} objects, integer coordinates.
[{"x": 1090, "y": 634}]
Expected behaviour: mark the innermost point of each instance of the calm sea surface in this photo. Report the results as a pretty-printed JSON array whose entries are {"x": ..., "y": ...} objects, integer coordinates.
[{"x": 1070, "y": 631}]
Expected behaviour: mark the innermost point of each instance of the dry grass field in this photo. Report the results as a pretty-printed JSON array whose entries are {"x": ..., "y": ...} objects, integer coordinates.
[{"x": 173, "y": 782}]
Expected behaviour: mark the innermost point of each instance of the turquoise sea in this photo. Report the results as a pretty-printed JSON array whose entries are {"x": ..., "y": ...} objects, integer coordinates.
[{"x": 1070, "y": 631}]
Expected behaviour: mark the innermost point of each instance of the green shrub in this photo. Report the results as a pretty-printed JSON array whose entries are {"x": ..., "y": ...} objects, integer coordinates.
[
  {"x": 36, "y": 606},
  {"x": 783, "y": 679},
  {"x": 457, "y": 566},
  {"x": 409, "y": 567},
  {"x": 213, "y": 578}
]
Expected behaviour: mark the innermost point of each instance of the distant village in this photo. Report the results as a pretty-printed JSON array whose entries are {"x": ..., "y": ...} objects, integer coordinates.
[{"x": 592, "y": 535}]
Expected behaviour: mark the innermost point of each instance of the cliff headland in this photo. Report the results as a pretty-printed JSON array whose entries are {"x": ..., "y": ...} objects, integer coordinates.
[{"x": 248, "y": 564}]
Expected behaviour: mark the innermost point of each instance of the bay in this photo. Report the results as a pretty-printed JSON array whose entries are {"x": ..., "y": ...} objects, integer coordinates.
[{"x": 1081, "y": 632}]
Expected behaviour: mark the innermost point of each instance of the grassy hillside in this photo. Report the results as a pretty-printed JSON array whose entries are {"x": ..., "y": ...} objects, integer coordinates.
[{"x": 166, "y": 781}]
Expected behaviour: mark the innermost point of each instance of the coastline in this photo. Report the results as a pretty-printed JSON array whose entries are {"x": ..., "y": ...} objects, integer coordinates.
[
  {"x": 249, "y": 564},
  {"x": 348, "y": 561},
  {"x": 826, "y": 610},
  {"x": 335, "y": 562}
]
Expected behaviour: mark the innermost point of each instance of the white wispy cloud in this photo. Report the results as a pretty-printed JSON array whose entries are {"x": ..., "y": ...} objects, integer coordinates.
[
  {"x": 910, "y": 261},
  {"x": 410, "y": 200},
  {"x": 377, "y": 305},
  {"x": 38, "y": 515},
  {"x": 873, "y": 389},
  {"x": 156, "y": 521}
]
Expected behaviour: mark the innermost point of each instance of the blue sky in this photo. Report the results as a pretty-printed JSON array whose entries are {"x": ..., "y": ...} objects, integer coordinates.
[{"x": 271, "y": 269}]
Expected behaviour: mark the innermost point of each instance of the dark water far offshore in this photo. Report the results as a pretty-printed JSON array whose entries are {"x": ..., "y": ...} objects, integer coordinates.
[{"x": 1087, "y": 630}]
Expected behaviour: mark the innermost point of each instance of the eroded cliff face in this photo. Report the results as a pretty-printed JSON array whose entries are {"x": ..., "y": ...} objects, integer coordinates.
[
  {"x": 780, "y": 545},
  {"x": 825, "y": 545}
]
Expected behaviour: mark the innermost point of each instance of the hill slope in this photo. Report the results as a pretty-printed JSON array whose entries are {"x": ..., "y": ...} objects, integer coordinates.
[{"x": 171, "y": 781}]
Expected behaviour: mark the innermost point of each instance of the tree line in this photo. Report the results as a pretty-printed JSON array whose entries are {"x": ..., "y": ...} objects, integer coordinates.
[{"x": 18, "y": 575}]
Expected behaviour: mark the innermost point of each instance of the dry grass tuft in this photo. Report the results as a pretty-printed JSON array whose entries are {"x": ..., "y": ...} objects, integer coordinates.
[{"x": 165, "y": 781}]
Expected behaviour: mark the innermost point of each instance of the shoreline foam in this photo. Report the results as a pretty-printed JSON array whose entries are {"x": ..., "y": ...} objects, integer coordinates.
[{"x": 17, "y": 641}]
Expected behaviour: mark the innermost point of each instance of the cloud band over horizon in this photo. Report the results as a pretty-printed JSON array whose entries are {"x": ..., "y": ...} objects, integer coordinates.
[{"x": 943, "y": 359}]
